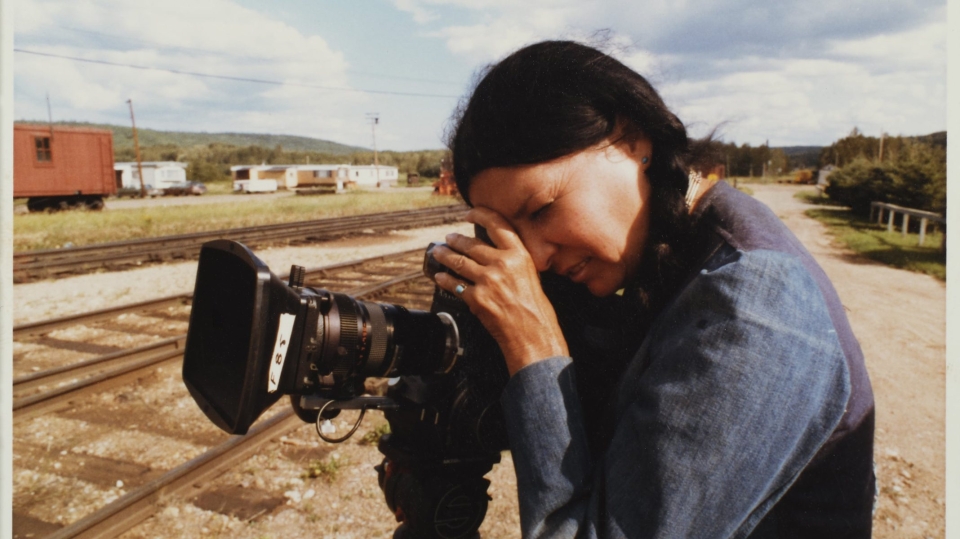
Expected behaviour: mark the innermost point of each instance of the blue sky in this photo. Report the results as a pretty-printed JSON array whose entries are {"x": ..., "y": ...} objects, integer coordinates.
[{"x": 794, "y": 72}]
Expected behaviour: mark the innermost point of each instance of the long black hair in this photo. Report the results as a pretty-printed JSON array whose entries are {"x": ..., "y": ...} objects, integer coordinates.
[{"x": 555, "y": 98}]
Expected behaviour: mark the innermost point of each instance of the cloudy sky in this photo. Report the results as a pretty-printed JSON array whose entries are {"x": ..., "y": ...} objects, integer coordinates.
[{"x": 794, "y": 72}]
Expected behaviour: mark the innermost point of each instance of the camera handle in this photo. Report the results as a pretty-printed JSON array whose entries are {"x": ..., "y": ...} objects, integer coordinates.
[{"x": 312, "y": 404}]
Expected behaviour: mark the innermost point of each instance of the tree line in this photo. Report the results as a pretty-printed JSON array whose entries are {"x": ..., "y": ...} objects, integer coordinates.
[
  {"x": 910, "y": 171},
  {"x": 212, "y": 162}
]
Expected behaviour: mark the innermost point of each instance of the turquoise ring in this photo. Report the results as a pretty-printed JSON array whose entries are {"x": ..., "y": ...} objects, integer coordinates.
[{"x": 459, "y": 289}]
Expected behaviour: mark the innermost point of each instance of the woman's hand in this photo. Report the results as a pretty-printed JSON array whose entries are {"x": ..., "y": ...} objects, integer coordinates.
[{"x": 506, "y": 294}]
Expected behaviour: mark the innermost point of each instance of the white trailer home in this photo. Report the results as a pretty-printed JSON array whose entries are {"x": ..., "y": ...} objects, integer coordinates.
[
  {"x": 257, "y": 178},
  {"x": 158, "y": 174},
  {"x": 374, "y": 176},
  {"x": 338, "y": 177}
]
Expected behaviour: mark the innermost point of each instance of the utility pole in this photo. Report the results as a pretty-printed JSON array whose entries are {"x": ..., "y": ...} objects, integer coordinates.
[
  {"x": 50, "y": 117},
  {"x": 374, "y": 119},
  {"x": 880, "y": 158},
  {"x": 136, "y": 146}
]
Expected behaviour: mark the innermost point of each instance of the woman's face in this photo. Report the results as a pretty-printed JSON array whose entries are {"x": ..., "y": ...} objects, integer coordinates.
[{"x": 584, "y": 216}]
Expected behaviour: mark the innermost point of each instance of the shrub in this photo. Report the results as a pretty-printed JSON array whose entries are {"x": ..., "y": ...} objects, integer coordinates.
[{"x": 915, "y": 178}]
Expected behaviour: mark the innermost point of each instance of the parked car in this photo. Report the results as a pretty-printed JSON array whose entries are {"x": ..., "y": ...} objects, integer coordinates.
[
  {"x": 186, "y": 188},
  {"x": 134, "y": 192}
]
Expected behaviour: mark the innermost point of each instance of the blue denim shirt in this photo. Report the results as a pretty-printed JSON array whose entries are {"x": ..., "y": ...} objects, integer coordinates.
[{"x": 733, "y": 419}]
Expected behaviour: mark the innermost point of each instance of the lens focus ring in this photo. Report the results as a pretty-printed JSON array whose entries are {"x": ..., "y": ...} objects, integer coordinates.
[
  {"x": 378, "y": 339},
  {"x": 349, "y": 335}
]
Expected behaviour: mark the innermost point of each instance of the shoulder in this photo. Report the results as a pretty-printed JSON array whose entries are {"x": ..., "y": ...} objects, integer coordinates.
[
  {"x": 750, "y": 322},
  {"x": 752, "y": 286}
]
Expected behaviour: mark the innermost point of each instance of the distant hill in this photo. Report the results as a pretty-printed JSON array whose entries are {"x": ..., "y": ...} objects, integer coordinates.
[
  {"x": 123, "y": 139},
  {"x": 937, "y": 139},
  {"x": 802, "y": 156}
]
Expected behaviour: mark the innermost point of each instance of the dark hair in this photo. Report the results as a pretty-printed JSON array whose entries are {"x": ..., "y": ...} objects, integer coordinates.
[{"x": 556, "y": 98}]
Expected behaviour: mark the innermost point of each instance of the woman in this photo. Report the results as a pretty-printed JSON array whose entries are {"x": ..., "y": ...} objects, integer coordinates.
[{"x": 680, "y": 366}]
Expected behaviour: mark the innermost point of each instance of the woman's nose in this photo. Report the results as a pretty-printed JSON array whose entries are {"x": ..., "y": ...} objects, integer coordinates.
[{"x": 541, "y": 252}]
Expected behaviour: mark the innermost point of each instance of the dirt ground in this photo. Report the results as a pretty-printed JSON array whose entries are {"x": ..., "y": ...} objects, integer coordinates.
[{"x": 898, "y": 316}]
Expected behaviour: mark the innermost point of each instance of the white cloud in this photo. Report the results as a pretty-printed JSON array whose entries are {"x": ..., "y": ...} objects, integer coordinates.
[
  {"x": 420, "y": 14},
  {"x": 203, "y": 36},
  {"x": 797, "y": 72}
]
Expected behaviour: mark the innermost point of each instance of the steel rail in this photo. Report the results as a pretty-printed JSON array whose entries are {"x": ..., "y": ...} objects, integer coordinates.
[
  {"x": 45, "y": 326},
  {"x": 110, "y": 370},
  {"x": 191, "y": 477},
  {"x": 214, "y": 234},
  {"x": 47, "y": 262},
  {"x": 138, "y": 505}
]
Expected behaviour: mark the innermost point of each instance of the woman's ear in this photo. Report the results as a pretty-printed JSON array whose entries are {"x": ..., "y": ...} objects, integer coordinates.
[{"x": 641, "y": 148}]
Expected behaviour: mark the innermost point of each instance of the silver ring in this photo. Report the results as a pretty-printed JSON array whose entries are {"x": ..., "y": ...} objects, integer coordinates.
[{"x": 460, "y": 288}]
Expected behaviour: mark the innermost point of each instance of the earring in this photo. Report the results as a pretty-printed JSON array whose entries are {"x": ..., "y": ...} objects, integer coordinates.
[{"x": 645, "y": 160}]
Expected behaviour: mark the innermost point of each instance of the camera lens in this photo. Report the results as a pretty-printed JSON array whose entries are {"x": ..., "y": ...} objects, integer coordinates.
[{"x": 362, "y": 339}]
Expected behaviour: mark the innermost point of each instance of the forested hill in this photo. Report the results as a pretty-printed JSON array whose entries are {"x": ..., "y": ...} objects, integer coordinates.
[{"x": 123, "y": 139}]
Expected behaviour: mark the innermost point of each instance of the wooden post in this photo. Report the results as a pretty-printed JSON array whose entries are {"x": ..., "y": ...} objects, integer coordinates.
[
  {"x": 890, "y": 221},
  {"x": 906, "y": 220},
  {"x": 923, "y": 229},
  {"x": 136, "y": 146}
]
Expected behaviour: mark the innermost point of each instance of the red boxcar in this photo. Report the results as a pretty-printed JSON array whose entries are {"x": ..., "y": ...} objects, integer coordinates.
[{"x": 62, "y": 167}]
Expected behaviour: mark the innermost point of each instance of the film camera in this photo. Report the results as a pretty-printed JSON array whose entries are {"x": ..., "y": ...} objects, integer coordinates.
[{"x": 254, "y": 338}]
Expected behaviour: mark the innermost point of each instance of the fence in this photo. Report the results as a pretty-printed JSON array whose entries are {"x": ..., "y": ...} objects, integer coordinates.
[{"x": 926, "y": 217}]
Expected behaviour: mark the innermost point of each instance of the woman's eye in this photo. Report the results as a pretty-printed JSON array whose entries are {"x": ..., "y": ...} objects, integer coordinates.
[{"x": 539, "y": 212}]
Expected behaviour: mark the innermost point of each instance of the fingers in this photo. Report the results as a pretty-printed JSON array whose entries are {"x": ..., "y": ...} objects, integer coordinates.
[
  {"x": 501, "y": 232},
  {"x": 458, "y": 262},
  {"x": 452, "y": 284}
]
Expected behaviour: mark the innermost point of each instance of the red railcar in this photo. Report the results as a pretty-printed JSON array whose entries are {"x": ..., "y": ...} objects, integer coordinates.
[{"x": 61, "y": 167}]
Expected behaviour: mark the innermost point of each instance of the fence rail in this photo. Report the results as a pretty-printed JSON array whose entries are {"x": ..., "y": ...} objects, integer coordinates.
[{"x": 926, "y": 217}]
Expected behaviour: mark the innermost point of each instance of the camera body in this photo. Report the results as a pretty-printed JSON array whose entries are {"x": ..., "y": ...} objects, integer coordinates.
[{"x": 253, "y": 338}]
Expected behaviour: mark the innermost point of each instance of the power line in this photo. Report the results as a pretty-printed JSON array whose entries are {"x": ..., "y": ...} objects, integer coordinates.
[
  {"x": 249, "y": 58},
  {"x": 237, "y": 79}
]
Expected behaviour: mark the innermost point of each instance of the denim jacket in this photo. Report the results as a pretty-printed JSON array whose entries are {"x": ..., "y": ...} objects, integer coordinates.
[{"x": 745, "y": 412}]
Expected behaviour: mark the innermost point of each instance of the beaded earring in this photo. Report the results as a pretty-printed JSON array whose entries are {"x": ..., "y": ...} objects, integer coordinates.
[{"x": 645, "y": 160}]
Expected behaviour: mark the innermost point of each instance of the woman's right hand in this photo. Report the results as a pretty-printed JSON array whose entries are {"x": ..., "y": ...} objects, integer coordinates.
[{"x": 506, "y": 295}]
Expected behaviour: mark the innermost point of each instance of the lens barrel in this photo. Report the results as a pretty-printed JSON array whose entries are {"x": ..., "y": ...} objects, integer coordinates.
[{"x": 359, "y": 339}]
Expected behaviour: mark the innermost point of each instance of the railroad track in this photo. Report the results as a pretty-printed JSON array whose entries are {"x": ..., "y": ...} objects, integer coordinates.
[
  {"x": 39, "y": 264},
  {"x": 69, "y": 395}
]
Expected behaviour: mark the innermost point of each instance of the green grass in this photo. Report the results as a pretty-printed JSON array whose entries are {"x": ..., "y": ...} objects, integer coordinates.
[
  {"x": 220, "y": 188},
  {"x": 874, "y": 242},
  {"x": 745, "y": 189},
  {"x": 788, "y": 178},
  {"x": 373, "y": 437},
  {"x": 78, "y": 227},
  {"x": 814, "y": 197},
  {"x": 325, "y": 469}
]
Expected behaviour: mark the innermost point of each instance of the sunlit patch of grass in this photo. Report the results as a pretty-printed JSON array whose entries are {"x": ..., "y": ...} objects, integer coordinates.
[
  {"x": 373, "y": 437},
  {"x": 814, "y": 197},
  {"x": 745, "y": 189},
  {"x": 325, "y": 469},
  {"x": 874, "y": 242},
  {"x": 759, "y": 179},
  {"x": 79, "y": 227}
]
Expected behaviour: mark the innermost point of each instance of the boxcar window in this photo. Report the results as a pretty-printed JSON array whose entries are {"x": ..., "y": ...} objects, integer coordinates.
[{"x": 43, "y": 149}]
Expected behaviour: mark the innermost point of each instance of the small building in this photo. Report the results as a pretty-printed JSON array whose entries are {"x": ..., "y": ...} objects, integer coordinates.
[
  {"x": 822, "y": 177},
  {"x": 158, "y": 174},
  {"x": 338, "y": 177},
  {"x": 374, "y": 176}
]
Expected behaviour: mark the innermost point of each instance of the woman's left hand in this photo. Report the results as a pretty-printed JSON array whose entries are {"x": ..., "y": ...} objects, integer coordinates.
[{"x": 506, "y": 294}]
